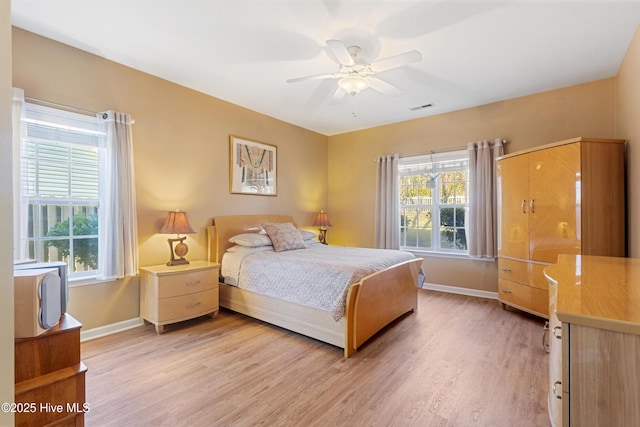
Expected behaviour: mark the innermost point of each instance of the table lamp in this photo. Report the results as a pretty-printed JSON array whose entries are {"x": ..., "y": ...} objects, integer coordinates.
[
  {"x": 322, "y": 219},
  {"x": 177, "y": 222}
]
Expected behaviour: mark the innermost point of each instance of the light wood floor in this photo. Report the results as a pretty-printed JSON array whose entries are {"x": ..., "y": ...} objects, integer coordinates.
[{"x": 457, "y": 361}]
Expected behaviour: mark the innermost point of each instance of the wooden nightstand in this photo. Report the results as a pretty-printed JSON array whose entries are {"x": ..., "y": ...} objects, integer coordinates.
[{"x": 177, "y": 293}]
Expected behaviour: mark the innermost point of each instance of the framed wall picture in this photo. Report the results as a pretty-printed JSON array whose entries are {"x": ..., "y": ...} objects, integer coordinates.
[{"x": 253, "y": 167}]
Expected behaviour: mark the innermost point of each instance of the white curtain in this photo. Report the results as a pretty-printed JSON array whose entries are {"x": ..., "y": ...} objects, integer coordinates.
[
  {"x": 20, "y": 203},
  {"x": 387, "y": 219},
  {"x": 482, "y": 228},
  {"x": 117, "y": 235}
]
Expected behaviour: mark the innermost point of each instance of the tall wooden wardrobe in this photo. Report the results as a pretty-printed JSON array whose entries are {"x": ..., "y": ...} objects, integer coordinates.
[{"x": 566, "y": 197}]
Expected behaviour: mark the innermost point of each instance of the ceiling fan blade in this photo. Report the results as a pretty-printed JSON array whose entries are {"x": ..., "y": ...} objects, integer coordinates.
[
  {"x": 397, "y": 61},
  {"x": 340, "y": 51},
  {"x": 383, "y": 87},
  {"x": 316, "y": 77},
  {"x": 337, "y": 96}
]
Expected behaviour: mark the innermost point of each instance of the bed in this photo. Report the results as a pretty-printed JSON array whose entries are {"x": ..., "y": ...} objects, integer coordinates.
[{"x": 369, "y": 304}]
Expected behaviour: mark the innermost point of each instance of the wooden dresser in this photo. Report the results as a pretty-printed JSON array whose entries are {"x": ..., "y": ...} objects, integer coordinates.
[
  {"x": 594, "y": 363},
  {"x": 561, "y": 198},
  {"x": 50, "y": 377}
]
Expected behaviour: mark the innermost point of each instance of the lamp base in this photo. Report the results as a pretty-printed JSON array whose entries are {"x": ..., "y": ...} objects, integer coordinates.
[
  {"x": 322, "y": 236},
  {"x": 180, "y": 250},
  {"x": 178, "y": 261}
]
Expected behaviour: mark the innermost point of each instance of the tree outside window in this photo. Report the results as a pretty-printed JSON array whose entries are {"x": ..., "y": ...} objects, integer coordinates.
[{"x": 82, "y": 247}]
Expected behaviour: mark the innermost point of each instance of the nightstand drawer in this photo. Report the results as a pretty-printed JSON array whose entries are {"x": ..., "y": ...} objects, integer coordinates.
[
  {"x": 187, "y": 306},
  {"x": 187, "y": 283},
  {"x": 177, "y": 293}
]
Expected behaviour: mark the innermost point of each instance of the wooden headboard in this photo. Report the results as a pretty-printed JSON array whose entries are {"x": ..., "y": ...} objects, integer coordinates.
[{"x": 228, "y": 226}]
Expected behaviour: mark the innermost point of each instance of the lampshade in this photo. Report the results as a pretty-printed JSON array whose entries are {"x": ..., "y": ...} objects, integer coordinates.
[
  {"x": 353, "y": 84},
  {"x": 322, "y": 219},
  {"x": 177, "y": 222}
]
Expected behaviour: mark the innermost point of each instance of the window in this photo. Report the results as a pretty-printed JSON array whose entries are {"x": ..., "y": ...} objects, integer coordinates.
[
  {"x": 433, "y": 202},
  {"x": 60, "y": 184}
]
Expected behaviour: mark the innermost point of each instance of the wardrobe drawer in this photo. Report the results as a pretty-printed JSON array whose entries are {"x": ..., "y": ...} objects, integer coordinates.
[
  {"x": 523, "y": 272},
  {"x": 523, "y": 297}
]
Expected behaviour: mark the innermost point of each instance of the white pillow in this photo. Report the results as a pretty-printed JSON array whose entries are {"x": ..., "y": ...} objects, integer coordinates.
[
  {"x": 251, "y": 240},
  {"x": 245, "y": 250}
]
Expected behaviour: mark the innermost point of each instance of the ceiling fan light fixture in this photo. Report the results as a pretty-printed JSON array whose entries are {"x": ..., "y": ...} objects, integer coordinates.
[{"x": 353, "y": 84}]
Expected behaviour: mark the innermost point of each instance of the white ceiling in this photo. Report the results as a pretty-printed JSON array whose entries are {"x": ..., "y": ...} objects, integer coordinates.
[{"x": 243, "y": 51}]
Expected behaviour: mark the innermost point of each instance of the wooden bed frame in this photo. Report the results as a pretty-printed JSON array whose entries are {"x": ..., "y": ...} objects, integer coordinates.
[{"x": 371, "y": 304}]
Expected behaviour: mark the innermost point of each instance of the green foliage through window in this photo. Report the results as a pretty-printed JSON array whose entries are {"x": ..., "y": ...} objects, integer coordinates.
[{"x": 85, "y": 249}]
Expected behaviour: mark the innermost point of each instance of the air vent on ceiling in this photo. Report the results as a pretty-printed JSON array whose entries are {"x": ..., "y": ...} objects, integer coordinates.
[{"x": 420, "y": 107}]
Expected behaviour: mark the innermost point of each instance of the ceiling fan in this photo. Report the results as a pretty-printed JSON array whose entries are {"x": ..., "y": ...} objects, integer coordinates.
[{"x": 356, "y": 74}]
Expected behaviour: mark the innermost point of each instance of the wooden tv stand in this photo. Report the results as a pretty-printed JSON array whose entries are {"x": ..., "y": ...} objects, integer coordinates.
[{"x": 50, "y": 377}]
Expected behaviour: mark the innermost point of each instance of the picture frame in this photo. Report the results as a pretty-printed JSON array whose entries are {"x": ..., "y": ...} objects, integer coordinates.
[{"x": 253, "y": 167}]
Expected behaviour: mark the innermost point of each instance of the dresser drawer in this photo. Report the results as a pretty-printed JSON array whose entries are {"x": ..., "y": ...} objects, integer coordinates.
[
  {"x": 63, "y": 390},
  {"x": 525, "y": 273},
  {"x": 524, "y": 297},
  {"x": 186, "y": 307},
  {"x": 187, "y": 283}
]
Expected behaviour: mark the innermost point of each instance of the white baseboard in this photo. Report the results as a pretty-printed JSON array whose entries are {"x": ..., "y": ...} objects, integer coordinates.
[
  {"x": 461, "y": 291},
  {"x": 102, "y": 331},
  {"x": 113, "y": 328}
]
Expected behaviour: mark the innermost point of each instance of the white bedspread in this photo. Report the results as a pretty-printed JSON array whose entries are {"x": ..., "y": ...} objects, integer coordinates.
[{"x": 318, "y": 276}]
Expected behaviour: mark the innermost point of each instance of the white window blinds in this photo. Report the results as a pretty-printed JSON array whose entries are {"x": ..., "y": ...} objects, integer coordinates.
[{"x": 60, "y": 157}]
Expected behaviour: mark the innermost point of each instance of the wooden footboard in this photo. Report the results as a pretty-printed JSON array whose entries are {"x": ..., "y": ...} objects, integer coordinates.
[{"x": 373, "y": 302}]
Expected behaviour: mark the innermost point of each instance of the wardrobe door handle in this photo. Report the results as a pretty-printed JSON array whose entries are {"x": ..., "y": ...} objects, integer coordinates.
[
  {"x": 531, "y": 209},
  {"x": 523, "y": 206},
  {"x": 556, "y": 332}
]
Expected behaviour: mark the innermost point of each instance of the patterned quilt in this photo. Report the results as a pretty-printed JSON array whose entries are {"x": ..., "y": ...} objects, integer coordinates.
[{"x": 318, "y": 276}]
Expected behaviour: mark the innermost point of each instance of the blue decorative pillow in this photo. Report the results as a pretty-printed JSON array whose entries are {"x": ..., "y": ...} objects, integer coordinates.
[{"x": 307, "y": 235}]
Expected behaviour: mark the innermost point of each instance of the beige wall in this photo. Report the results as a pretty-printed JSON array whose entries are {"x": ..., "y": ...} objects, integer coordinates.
[
  {"x": 584, "y": 110},
  {"x": 181, "y": 144},
  {"x": 628, "y": 127},
  {"x": 181, "y": 130},
  {"x": 6, "y": 232}
]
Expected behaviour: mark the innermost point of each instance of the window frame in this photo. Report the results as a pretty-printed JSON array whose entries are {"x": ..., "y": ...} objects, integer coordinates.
[
  {"x": 70, "y": 134},
  {"x": 420, "y": 167}
]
